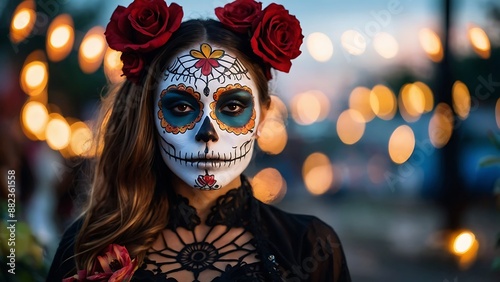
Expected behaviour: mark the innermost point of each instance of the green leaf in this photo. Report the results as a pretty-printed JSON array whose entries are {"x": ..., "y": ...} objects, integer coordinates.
[{"x": 487, "y": 161}]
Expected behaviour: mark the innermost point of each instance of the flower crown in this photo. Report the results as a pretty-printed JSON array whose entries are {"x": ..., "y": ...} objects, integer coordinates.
[{"x": 139, "y": 30}]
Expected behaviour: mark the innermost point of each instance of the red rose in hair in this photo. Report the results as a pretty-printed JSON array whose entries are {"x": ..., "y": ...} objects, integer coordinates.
[
  {"x": 277, "y": 37},
  {"x": 133, "y": 63},
  {"x": 239, "y": 15},
  {"x": 143, "y": 26}
]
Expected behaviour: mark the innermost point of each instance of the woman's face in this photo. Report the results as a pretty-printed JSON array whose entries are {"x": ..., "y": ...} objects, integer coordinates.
[{"x": 206, "y": 110}]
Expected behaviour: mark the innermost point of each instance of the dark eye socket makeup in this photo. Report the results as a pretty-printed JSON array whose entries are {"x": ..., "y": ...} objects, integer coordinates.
[
  {"x": 233, "y": 102},
  {"x": 179, "y": 102}
]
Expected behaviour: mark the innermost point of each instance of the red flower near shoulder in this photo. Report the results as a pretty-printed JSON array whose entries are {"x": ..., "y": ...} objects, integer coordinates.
[
  {"x": 239, "y": 15},
  {"x": 277, "y": 37},
  {"x": 143, "y": 26},
  {"x": 114, "y": 266}
]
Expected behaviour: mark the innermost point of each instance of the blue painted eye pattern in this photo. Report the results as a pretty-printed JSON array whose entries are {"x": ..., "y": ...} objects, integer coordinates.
[
  {"x": 180, "y": 108},
  {"x": 233, "y": 108}
]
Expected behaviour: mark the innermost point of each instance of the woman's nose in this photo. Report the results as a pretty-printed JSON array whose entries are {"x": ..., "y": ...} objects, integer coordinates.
[{"x": 207, "y": 132}]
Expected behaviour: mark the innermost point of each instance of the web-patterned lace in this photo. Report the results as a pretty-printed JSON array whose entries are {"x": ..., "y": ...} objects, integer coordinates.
[{"x": 222, "y": 249}]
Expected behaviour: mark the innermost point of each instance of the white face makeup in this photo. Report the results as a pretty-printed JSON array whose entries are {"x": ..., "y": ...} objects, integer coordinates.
[{"x": 207, "y": 110}]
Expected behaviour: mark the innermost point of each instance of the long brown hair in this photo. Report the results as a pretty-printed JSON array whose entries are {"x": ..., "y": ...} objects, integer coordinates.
[{"x": 128, "y": 203}]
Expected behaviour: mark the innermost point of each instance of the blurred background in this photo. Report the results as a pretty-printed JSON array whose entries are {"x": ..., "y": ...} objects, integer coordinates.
[{"x": 387, "y": 128}]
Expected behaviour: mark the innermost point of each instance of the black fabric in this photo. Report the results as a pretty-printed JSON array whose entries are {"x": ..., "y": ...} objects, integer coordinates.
[{"x": 289, "y": 247}]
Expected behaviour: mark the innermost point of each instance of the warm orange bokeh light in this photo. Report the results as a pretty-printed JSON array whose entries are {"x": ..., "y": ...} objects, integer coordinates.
[
  {"x": 81, "y": 139},
  {"x": 310, "y": 107},
  {"x": 431, "y": 43},
  {"x": 34, "y": 118},
  {"x": 34, "y": 74},
  {"x": 317, "y": 172},
  {"x": 385, "y": 45},
  {"x": 464, "y": 246},
  {"x": 319, "y": 46},
  {"x": 92, "y": 49},
  {"x": 272, "y": 136},
  {"x": 461, "y": 99},
  {"x": 350, "y": 126},
  {"x": 57, "y": 132},
  {"x": 359, "y": 100},
  {"x": 441, "y": 125},
  {"x": 383, "y": 102},
  {"x": 23, "y": 21},
  {"x": 428, "y": 96},
  {"x": 411, "y": 102},
  {"x": 479, "y": 41},
  {"x": 401, "y": 144},
  {"x": 113, "y": 66},
  {"x": 269, "y": 186},
  {"x": 60, "y": 38}
]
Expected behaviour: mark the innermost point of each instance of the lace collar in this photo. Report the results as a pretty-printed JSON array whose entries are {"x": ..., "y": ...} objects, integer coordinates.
[{"x": 229, "y": 209}]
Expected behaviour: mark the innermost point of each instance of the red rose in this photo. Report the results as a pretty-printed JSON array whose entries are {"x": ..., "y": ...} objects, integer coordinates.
[
  {"x": 114, "y": 266},
  {"x": 133, "y": 64},
  {"x": 277, "y": 37},
  {"x": 143, "y": 26},
  {"x": 239, "y": 15}
]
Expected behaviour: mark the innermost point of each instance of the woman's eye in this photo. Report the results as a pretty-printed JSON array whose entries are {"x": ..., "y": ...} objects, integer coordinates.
[
  {"x": 181, "y": 109},
  {"x": 232, "y": 109}
]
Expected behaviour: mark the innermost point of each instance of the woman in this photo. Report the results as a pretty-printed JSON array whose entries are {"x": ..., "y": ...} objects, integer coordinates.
[{"x": 168, "y": 201}]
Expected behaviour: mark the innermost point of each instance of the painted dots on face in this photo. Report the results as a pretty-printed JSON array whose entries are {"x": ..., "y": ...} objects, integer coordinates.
[
  {"x": 233, "y": 109},
  {"x": 180, "y": 108}
]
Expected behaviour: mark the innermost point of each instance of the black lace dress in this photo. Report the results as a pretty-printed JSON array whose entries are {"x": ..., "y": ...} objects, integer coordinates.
[{"x": 241, "y": 240}]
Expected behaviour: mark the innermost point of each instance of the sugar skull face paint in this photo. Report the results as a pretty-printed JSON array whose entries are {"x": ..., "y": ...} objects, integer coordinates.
[{"x": 207, "y": 109}]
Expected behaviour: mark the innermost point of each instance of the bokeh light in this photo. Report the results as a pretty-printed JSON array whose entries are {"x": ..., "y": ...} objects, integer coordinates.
[
  {"x": 320, "y": 46},
  {"x": 113, "y": 66},
  {"x": 57, "y": 132},
  {"x": 428, "y": 96},
  {"x": 310, "y": 107},
  {"x": 317, "y": 172},
  {"x": 465, "y": 246},
  {"x": 431, "y": 43},
  {"x": 34, "y": 74},
  {"x": 23, "y": 21},
  {"x": 81, "y": 139},
  {"x": 92, "y": 49},
  {"x": 359, "y": 100},
  {"x": 385, "y": 45},
  {"x": 441, "y": 125},
  {"x": 272, "y": 136},
  {"x": 269, "y": 186},
  {"x": 383, "y": 102},
  {"x": 401, "y": 144},
  {"x": 353, "y": 42},
  {"x": 463, "y": 242},
  {"x": 479, "y": 41},
  {"x": 411, "y": 102},
  {"x": 461, "y": 99},
  {"x": 350, "y": 126},
  {"x": 60, "y": 38},
  {"x": 34, "y": 118}
]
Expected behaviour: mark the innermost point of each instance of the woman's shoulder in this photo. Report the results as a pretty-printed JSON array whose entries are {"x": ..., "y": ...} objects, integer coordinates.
[
  {"x": 63, "y": 263},
  {"x": 293, "y": 222}
]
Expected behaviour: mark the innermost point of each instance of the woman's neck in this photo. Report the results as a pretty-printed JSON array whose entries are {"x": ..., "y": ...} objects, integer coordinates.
[{"x": 203, "y": 200}]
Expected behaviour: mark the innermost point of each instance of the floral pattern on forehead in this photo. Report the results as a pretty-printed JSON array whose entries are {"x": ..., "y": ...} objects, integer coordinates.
[{"x": 206, "y": 65}]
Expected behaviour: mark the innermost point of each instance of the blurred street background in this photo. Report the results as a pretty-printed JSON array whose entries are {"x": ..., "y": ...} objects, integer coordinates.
[{"x": 387, "y": 128}]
